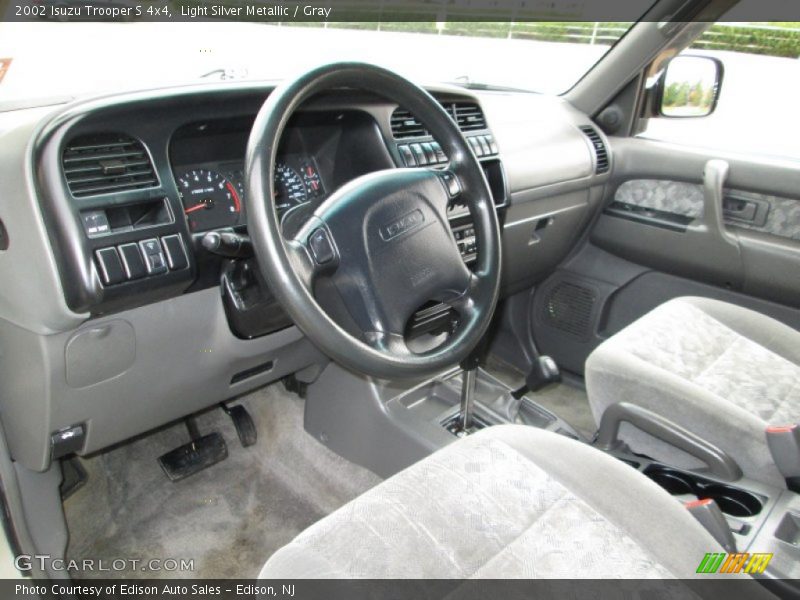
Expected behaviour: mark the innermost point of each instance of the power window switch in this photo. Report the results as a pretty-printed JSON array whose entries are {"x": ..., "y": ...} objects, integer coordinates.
[
  {"x": 110, "y": 265},
  {"x": 132, "y": 261}
]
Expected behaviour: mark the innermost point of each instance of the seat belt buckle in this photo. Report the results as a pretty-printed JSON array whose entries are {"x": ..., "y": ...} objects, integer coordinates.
[
  {"x": 784, "y": 445},
  {"x": 708, "y": 513}
]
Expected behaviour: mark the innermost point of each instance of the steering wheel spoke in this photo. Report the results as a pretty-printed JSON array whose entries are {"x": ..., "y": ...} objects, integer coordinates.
[
  {"x": 388, "y": 343},
  {"x": 465, "y": 304}
]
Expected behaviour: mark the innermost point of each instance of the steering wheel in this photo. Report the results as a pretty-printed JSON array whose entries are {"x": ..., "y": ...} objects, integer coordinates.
[{"x": 382, "y": 242}]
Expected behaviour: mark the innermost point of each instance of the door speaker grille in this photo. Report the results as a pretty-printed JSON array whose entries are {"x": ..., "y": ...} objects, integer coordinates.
[{"x": 568, "y": 308}]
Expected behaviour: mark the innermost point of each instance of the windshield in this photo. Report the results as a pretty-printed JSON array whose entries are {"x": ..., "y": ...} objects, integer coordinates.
[{"x": 49, "y": 59}]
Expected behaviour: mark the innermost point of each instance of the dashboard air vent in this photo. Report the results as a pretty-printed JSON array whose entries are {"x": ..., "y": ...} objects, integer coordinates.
[
  {"x": 406, "y": 125},
  {"x": 599, "y": 148},
  {"x": 468, "y": 116},
  {"x": 105, "y": 163}
]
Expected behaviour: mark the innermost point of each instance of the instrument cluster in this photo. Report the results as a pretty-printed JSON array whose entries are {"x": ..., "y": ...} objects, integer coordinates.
[{"x": 213, "y": 194}]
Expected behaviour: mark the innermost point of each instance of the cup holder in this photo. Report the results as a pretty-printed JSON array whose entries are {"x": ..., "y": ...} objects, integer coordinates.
[{"x": 732, "y": 501}]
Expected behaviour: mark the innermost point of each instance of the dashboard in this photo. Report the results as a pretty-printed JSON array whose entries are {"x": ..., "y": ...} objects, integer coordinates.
[{"x": 119, "y": 307}]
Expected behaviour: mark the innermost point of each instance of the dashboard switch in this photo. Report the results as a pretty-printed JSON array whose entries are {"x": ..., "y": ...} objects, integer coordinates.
[
  {"x": 419, "y": 154},
  {"x": 110, "y": 266},
  {"x": 132, "y": 261},
  {"x": 153, "y": 256},
  {"x": 321, "y": 246},
  {"x": 408, "y": 155},
  {"x": 430, "y": 153},
  {"x": 95, "y": 222},
  {"x": 176, "y": 256}
]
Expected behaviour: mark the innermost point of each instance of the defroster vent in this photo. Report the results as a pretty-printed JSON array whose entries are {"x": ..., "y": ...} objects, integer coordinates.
[{"x": 106, "y": 163}]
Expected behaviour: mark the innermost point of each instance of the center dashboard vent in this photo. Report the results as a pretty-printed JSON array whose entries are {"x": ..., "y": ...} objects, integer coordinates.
[
  {"x": 105, "y": 163},
  {"x": 468, "y": 116},
  {"x": 600, "y": 150}
]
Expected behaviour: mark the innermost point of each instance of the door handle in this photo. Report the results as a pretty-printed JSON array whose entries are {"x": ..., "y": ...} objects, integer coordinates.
[{"x": 714, "y": 175}]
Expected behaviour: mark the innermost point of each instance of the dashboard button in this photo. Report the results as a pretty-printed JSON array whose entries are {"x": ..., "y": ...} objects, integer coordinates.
[
  {"x": 419, "y": 154},
  {"x": 176, "y": 256},
  {"x": 430, "y": 154},
  {"x": 153, "y": 256},
  {"x": 132, "y": 261},
  {"x": 451, "y": 183},
  {"x": 440, "y": 155},
  {"x": 110, "y": 265},
  {"x": 150, "y": 247},
  {"x": 476, "y": 146},
  {"x": 484, "y": 145},
  {"x": 408, "y": 155},
  {"x": 321, "y": 246},
  {"x": 95, "y": 222}
]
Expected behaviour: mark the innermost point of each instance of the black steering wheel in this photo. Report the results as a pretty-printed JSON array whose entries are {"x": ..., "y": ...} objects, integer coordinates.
[{"x": 383, "y": 240}]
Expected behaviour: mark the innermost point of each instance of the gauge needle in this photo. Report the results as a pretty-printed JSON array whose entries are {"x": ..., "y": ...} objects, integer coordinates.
[{"x": 195, "y": 207}]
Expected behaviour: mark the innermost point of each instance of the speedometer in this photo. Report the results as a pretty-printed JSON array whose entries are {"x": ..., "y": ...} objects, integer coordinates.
[
  {"x": 209, "y": 200},
  {"x": 290, "y": 190}
]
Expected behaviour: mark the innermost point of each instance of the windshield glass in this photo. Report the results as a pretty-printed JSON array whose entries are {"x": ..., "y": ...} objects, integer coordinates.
[{"x": 48, "y": 59}]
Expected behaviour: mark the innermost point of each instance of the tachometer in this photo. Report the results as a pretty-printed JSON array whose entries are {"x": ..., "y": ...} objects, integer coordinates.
[
  {"x": 290, "y": 190},
  {"x": 209, "y": 200}
]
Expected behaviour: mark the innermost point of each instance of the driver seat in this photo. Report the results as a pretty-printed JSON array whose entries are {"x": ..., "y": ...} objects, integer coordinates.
[{"x": 507, "y": 502}]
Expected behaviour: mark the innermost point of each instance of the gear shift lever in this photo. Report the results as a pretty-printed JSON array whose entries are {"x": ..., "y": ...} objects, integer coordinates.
[
  {"x": 470, "y": 368},
  {"x": 467, "y": 393}
]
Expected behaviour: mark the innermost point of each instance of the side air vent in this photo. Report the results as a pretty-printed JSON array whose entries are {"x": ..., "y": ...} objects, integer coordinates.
[
  {"x": 568, "y": 307},
  {"x": 406, "y": 125},
  {"x": 600, "y": 149},
  {"x": 105, "y": 163},
  {"x": 467, "y": 115}
]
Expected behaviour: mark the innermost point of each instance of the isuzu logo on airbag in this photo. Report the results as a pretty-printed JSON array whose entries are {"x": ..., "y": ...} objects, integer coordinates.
[{"x": 402, "y": 225}]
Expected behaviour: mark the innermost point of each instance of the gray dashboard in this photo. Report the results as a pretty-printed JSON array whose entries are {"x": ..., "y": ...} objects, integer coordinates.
[{"x": 117, "y": 359}]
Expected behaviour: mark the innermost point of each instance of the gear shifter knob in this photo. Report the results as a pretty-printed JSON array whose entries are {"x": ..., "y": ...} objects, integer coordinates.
[{"x": 544, "y": 372}]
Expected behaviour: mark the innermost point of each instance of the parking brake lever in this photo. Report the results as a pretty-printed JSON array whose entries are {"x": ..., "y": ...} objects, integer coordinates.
[{"x": 707, "y": 511}]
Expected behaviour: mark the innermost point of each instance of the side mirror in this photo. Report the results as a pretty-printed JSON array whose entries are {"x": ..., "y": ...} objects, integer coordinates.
[{"x": 690, "y": 86}]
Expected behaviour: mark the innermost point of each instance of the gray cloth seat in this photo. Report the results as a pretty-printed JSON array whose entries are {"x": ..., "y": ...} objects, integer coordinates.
[
  {"x": 508, "y": 502},
  {"x": 721, "y": 371}
]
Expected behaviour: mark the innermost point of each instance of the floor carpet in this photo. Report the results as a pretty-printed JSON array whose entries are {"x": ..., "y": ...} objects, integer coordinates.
[{"x": 228, "y": 518}]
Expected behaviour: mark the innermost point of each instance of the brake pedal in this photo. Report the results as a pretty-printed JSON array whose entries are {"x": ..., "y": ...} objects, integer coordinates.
[
  {"x": 202, "y": 452},
  {"x": 243, "y": 422}
]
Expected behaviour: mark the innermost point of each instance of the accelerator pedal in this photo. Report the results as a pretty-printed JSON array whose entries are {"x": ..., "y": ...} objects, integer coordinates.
[
  {"x": 245, "y": 426},
  {"x": 203, "y": 451}
]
